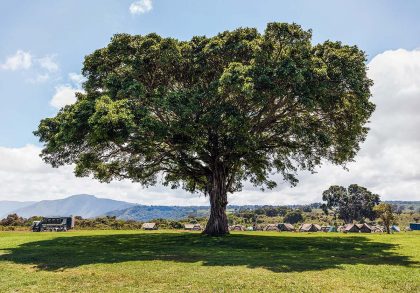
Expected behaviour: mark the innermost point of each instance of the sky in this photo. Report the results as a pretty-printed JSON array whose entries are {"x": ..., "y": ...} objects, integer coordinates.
[{"x": 43, "y": 44}]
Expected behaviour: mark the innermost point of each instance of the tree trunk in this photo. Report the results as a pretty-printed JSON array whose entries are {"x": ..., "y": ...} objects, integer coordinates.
[{"x": 217, "y": 224}]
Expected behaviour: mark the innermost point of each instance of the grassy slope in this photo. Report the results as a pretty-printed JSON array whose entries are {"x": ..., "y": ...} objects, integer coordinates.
[{"x": 133, "y": 261}]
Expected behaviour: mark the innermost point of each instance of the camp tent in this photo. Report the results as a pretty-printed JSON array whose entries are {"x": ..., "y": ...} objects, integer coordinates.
[
  {"x": 356, "y": 228},
  {"x": 271, "y": 227},
  {"x": 149, "y": 226},
  {"x": 309, "y": 228},
  {"x": 193, "y": 227},
  {"x": 395, "y": 228},
  {"x": 286, "y": 227},
  {"x": 377, "y": 229},
  {"x": 332, "y": 229},
  {"x": 364, "y": 228},
  {"x": 325, "y": 228},
  {"x": 351, "y": 228},
  {"x": 237, "y": 228}
]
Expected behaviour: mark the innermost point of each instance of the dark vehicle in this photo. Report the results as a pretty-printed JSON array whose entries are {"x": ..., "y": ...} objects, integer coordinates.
[{"x": 58, "y": 224}]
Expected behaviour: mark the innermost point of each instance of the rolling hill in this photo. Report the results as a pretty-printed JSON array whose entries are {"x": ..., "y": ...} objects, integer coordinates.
[{"x": 7, "y": 206}]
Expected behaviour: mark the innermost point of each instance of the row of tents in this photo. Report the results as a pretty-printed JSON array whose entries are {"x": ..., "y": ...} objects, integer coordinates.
[
  {"x": 310, "y": 227},
  {"x": 154, "y": 226},
  {"x": 307, "y": 227}
]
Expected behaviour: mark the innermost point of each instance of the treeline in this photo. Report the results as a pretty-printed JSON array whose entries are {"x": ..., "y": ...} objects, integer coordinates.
[
  {"x": 334, "y": 215},
  {"x": 112, "y": 223},
  {"x": 281, "y": 214},
  {"x": 15, "y": 223}
]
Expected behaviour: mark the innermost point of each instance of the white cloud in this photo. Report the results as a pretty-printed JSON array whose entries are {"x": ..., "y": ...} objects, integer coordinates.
[
  {"x": 40, "y": 78},
  {"x": 77, "y": 79},
  {"x": 38, "y": 70},
  {"x": 24, "y": 176},
  {"x": 388, "y": 163},
  {"x": 64, "y": 95},
  {"x": 141, "y": 7},
  {"x": 20, "y": 60},
  {"x": 48, "y": 63}
]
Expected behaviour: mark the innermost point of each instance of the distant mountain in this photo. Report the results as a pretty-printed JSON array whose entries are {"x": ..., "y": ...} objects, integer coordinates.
[
  {"x": 87, "y": 206},
  {"x": 147, "y": 213},
  {"x": 7, "y": 206}
]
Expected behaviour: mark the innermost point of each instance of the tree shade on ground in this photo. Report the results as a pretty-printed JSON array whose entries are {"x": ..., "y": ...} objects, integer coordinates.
[{"x": 167, "y": 261}]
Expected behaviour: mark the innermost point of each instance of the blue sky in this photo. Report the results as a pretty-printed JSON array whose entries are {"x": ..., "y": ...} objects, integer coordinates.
[
  {"x": 69, "y": 30},
  {"x": 56, "y": 35}
]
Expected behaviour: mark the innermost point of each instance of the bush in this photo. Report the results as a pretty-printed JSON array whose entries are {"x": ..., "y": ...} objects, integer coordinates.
[
  {"x": 293, "y": 217},
  {"x": 12, "y": 220}
]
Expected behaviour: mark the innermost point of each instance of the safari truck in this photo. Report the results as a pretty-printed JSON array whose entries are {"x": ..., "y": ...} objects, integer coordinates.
[{"x": 57, "y": 224}]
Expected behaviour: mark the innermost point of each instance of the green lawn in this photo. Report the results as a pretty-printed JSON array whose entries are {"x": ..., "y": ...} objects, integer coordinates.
[{"x": 170, "y": 261}]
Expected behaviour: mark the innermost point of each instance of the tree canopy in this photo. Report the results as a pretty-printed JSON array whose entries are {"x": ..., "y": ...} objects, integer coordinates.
[
  {"x": 210, "y": 113},
  {"x": 293, "y": 217},
  {"x": 385, "y": 213},
  {"x": 352, "y": 204}
]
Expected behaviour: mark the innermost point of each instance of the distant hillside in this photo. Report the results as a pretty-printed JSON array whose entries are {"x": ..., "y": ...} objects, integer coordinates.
[
  {"x": 147, "y": 213},
  {"x": 87, "y": 206},
  {"x": 7, "y": 207},
  {"x": 407, "y": 205}
]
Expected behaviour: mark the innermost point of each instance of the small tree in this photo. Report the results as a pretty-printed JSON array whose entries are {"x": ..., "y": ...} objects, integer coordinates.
[
  {"x": 210, "y": 113},
  {"x": 384, "y": 212},
  {"x": 12, "y": 220},
  {"x": 293, "y": 217},
  {"x": 271, "y": 212},
  {"x": 307, "y": 209},
  {"x": 283, "y": 211},
  {"x": 353, "y": 203}
]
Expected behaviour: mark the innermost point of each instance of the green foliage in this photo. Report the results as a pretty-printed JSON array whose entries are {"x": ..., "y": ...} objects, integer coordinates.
[
  {"x": 384, "y": 212},
  {"x": 147, "y": 213},
  {"x": 307, "y": 209},
  {"x": 106, "y": 223},
  {"x": 293, "y": 217},
  {"x": 352, "y": 204},
  {"x": 233, "y": 107},
  {"x": 12, "y": 220},
  {"x": 271, "y": 212}
]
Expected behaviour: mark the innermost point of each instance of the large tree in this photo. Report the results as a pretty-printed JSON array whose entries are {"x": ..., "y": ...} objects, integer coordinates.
[
  {"x": 210, "y": 113},
  {"x": 352, "y": 204}
]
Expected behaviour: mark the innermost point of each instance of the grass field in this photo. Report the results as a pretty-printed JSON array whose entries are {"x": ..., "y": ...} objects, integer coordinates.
[{"x": 170, "y": 261}]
